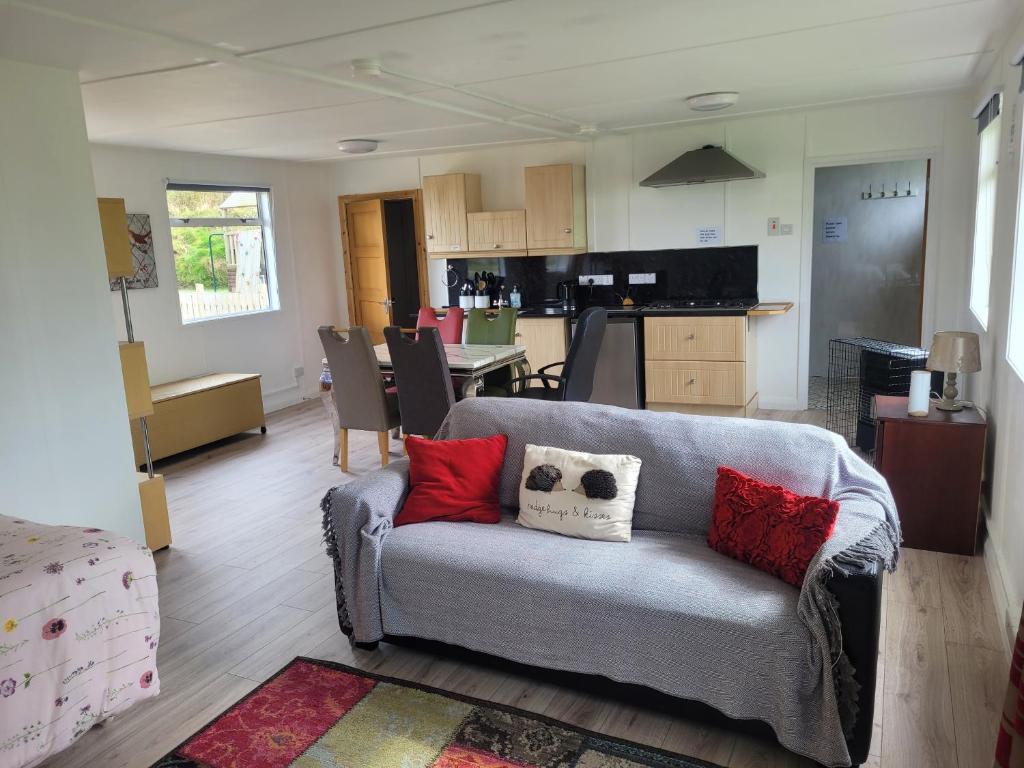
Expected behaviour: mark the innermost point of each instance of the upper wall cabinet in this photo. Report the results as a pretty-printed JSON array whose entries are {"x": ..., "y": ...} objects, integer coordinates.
[
  {"x": 556, "y": 209},
  {"x": 500, "y": 232},
  {"x": 447, "y": 200}
]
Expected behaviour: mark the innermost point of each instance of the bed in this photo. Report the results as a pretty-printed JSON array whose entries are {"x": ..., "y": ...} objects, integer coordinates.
[{"x": 79, "y": 627}]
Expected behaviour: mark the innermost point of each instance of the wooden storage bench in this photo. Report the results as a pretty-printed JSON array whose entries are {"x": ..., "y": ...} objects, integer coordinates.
[{"x": 194, "y": 412}]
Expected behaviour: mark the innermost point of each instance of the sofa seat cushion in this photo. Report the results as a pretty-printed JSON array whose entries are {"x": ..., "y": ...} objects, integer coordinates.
[{"x": 596, "y": 607}]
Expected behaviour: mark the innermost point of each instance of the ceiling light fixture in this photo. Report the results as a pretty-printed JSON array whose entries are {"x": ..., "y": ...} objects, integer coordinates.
[
  {"x": 357, "y": 146},
  {"x": 710, "y": 102}
]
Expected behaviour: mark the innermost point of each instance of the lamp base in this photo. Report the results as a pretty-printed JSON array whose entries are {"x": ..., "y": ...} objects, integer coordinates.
[{"x": 949, "y": 393}]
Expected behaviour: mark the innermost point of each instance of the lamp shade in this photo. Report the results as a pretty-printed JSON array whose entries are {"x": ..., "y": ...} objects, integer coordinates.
[{"x": 955, "y": 352}]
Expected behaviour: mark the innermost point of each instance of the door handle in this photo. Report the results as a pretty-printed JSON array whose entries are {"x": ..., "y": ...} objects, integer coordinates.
[{"x": 568, "y": 230}]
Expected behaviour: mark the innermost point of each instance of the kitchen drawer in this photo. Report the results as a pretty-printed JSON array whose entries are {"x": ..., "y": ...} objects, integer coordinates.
[
  {"x": 696, "y": 382},
  {"x": 695, "y": 338}
]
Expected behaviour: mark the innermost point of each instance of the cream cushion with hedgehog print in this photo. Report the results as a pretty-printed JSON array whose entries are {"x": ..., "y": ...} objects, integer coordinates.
[{"x": 585, "y": 495}]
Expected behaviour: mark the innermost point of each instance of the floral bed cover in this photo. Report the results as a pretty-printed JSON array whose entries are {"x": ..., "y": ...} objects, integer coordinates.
[{"x": 79, "y": 625}]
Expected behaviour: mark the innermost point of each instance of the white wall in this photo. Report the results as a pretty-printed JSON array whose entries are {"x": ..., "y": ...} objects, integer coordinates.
[
  {"x": 787, "y": 147},
  {"x": 998, "y": 388},
  {"x": 65, "y": 449},
  {"x": 271, "y": 343}
]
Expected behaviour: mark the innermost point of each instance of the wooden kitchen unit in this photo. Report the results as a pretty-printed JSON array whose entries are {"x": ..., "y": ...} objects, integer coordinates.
[
  {"x": 556, "y": 210},
  {"x": 447, "y": 202},
  {"x": 701, "y": 365},
  {"x": 497, "y": 233},
  {"x": 544, "y": 339},
  {"x": 934, "y": 466}
]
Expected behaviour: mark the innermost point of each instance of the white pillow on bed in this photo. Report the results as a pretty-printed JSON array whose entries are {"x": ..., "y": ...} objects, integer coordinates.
[{"x": 585, "y": 495}]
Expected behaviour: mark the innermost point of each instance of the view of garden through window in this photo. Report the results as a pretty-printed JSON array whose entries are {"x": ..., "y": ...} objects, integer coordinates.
[{"x": 223, "y": 250}]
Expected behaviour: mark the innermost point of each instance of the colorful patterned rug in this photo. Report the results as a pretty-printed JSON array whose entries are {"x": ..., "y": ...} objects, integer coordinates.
[{"x": 317, "y": 714}]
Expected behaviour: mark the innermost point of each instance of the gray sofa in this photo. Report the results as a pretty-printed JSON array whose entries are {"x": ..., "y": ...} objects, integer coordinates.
[{"x": 663, "y": 611}]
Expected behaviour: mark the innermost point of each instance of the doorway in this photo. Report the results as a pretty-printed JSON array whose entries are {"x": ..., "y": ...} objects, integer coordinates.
[
  {"x": 385, "y": 259},
  {"x": 868, "y": 259}
]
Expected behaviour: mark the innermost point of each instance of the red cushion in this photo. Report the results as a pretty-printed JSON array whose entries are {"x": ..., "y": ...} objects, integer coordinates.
[
  {"x": 453, "y": 480},
  {"x": 768, "y": 526}
]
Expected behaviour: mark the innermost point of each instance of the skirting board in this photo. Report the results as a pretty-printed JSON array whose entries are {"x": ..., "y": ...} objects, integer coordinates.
[
  {"x": 1007, "y": 605},
  {"x": 778, "y": 403},
  {"x": 281, "y": 398}
]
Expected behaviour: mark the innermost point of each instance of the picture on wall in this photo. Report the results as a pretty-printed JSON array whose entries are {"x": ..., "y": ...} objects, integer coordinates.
[{"x": 141, "y": 234}]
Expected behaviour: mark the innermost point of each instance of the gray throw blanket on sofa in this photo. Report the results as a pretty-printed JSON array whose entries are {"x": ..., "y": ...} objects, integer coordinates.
[{"x": 680, "y": 457}]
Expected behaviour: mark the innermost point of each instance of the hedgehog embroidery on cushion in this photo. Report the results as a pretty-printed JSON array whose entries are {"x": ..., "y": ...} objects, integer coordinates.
[
  {"x": 545, "y": 478},
  {"x": 597, "y": 484}
]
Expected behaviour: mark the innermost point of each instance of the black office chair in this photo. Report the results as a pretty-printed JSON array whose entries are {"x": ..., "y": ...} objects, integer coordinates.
[
  {"x": 425, "y": 393},
  {"x": 577, "y": 380}
]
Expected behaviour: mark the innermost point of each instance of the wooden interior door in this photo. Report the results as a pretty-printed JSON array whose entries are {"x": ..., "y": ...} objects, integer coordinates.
[{"x": 368, "y": 255}]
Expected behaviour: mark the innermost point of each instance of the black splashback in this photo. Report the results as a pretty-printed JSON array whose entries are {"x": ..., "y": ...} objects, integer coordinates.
[{"x": 681, "y": 273}]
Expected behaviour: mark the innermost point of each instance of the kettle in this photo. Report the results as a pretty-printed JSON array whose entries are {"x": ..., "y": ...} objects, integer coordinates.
[{"x": 567, "y": 295}]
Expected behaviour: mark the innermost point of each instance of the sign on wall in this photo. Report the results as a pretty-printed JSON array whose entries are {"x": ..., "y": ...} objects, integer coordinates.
[
  {"x": 709, "y": 235},
  {"x": 835, "y": 229}
]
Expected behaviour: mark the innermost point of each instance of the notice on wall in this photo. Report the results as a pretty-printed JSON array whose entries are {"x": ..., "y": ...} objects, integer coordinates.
[
  {"x": 709, "y": 235},
  {"x": 835, "y": 229}
]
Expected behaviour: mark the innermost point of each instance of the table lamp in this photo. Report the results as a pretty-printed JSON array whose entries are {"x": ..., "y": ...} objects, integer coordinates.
[{"x": 953, "y": 352}]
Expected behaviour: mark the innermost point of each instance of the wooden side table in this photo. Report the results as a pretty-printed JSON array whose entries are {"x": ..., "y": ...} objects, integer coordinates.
[{"x": 934, "y": 466}]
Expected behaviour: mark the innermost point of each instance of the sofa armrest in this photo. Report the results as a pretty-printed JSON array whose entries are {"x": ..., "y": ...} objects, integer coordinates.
[
  {"x": 859, "y": 604},
  {"x": 357, "y": 517}
]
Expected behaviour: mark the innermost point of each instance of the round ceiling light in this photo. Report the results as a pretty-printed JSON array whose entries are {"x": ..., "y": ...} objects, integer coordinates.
[
  {"x": 357, "y": 146},
  {"x": 710, "y": 102}
]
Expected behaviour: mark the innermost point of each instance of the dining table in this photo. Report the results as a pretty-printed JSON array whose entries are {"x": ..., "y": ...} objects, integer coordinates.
[{"x": 468, "y": 363}]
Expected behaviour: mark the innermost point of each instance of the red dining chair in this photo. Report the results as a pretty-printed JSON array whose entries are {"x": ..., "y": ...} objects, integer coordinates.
[{"x": 449, "y": 326}]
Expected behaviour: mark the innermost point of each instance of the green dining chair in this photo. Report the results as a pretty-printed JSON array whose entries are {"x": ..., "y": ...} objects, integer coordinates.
[{"x": 482, "y": 328}]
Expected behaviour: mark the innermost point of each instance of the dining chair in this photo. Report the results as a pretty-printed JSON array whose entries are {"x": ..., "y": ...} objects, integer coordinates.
[
  {"x": 576, "y": 382},
  {"x": 450, "y": 325},
  {"x": 358, "y": 391},
  {"x": 500, "y": 328},
  {"x": 425, "y": 392}
]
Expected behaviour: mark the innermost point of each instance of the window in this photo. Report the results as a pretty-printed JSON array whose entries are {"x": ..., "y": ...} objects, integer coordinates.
[
  {"x": 223, "y": 250},
  {"x": 1015, "y": 336},
  {"x": 985, "y": 211}
]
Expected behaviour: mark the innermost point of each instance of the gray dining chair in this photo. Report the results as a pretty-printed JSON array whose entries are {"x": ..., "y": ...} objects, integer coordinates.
[
  {"x": 359, "y": 395},
  {"x": 425, "y": 392}
]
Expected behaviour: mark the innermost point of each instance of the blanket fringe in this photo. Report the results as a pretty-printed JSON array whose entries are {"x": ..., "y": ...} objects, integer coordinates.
[
  {"x": 331, "y": 547},
  {"x": 879, "y": 546}
]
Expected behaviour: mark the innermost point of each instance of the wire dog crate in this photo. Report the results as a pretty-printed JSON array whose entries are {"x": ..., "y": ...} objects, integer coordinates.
[{"x": 858, "y": 369}]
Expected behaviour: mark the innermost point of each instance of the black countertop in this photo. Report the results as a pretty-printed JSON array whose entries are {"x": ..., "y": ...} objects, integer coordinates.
[{"x": 626, "y": 312}]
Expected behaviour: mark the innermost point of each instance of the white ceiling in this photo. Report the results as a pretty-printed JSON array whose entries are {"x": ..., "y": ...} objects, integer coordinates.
[{"x": 148, "y": 79}]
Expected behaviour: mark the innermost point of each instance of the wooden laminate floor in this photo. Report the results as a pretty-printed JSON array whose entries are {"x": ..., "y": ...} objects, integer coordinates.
[{"x": 246, "y": 587}]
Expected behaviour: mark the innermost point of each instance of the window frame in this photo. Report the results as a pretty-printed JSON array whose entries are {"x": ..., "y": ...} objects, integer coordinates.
[
  {"x": 264, "y": 219},
  {"x": 989, "y": 176},
  {"x": 1015, "y": 323}
]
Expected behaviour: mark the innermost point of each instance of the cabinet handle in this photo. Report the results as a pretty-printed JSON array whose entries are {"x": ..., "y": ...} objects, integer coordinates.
[
  {"x": 430, "y": 237},
  {"x": 691, "y": 382},
  {"x": 519, "y": 335},
  {"x": 691, "y": 337},
  {"x": 497, "y": 245},
  {"x": 568, "y": 230}
]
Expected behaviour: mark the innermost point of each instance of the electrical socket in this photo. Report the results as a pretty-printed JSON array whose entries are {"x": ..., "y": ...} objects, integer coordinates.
[
  {"x": 642, "y": 278},
  {"x": 596, "y": 280},
  {"x": 299, "y": 371},
  {"x": 787, "y": 229},
  {"x": 773, "y": 226}
]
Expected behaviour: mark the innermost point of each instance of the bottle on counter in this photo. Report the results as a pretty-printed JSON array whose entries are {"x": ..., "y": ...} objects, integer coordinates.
[
  {"x": 515, "y": 298},
  {"x": 466, "y": 296},
  {"x": 481, "y": 300}
]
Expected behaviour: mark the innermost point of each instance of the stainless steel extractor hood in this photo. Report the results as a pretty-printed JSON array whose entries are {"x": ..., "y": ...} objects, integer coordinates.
[{"x": 701, "y": 166}]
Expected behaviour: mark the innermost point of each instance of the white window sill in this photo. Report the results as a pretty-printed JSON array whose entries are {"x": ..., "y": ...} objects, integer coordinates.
[{"x": 233, "y": 316}]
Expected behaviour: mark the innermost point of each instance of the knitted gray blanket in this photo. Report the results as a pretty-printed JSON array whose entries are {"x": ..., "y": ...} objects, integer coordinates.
[{"x": 680, "y": 456}]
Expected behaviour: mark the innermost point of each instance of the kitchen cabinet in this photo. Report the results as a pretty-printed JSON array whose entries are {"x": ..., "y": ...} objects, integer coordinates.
[
  {"x": 544, "y": 339},
  {"x": 700, "y": 364},
  {"x": 556, "y": 210},
  {"x": 501, "y": 233},
  {"x": 447, "y": 201}
]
